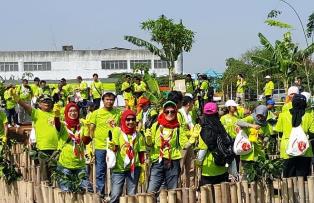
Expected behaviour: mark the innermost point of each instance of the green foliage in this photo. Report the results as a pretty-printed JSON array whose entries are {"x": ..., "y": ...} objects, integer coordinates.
[
  {"x": 310, "y": 26},
  {"x": 263, "y": 169},
  {"x": 277, "y": 23},
  {"x": 273, "y": 14},
  {"x": 8, "y": 170},
  {"x": 72, "y": 181},
  {"x": 174, "y": 38}
]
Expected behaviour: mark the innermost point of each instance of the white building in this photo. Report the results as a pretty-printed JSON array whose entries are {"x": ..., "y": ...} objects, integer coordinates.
[{"x": 69, "y": 63}]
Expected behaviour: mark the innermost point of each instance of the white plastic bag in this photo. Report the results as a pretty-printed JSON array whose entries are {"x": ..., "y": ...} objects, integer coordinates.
[
  {"x": 110, "y": 157},
  {"x": 32, "y": 136},
  {"x": 298, "y": 142},
  {"x": 242, "y": 145}
]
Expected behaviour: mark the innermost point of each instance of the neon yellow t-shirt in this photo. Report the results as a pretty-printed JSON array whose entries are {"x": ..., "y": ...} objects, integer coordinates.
[
  {"x": 67, "y": 157},
  {"x": 209, "y": 168},
  {"x": 229, "y": 123},
  {"x": 241, "y": 86},
  {"x": 125, "y": 85},
  {"x": 284, "y": 125},
  {"x": 101, "y": 119},
  {"x": 3, "y": 121},
  {"x": 46, "y": 133},
  {"x": 140, "y": 88},
  {"x": 176, "y": 144},
  {"x": 97, "y": 89},
  {"x": 83, "y": 89},
  {"x": 269, "y": 88},
  {"x": 24, "y": 93},
  {"x": 35, "y": 90},
  {"x": 10, "y": 103},
  {"x": 139, "y": 146}
]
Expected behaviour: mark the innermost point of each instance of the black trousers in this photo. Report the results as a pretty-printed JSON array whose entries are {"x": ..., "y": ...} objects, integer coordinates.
[
  {"x": 96, "y": 103},
  {"x": 297, "y": 166},
  {"x": 205, "y": 180}
]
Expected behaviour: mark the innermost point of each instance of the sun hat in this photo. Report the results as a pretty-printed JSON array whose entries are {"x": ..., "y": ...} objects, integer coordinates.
[
  {"x": 210, "y": 108},
  {"x": 231, "y": 103},
  {"x": 293, "y": 90},
  {"x": 267, "y": 77}
]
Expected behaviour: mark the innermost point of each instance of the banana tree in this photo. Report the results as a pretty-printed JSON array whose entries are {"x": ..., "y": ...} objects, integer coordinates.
[
  {"x": 282, "y": 57},
  {"x": 173, "y": 39}
]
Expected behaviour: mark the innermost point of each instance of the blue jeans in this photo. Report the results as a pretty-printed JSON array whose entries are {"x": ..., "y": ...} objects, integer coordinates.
[
  {"x": 67, "y": 186},
  {"x": 164, "y": 173},
  {"x": 117, "y": 182},
  {"x": 101, "y": 170}
]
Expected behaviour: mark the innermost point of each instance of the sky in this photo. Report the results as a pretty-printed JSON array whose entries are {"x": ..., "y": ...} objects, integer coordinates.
[{"x": 224, "y": 28}]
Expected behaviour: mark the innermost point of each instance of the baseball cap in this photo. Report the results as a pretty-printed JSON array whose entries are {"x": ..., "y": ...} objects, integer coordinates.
[
  {"x": 169, "y": 103},
  {"x": 267, "y": 77},
  {"x": 230, "y": 103},
  {"x": 293, "y": 90},
  {"x": 44, "y": 98},
  {"x": 270, "y": 102},
  {"x": 210, "y": 108}
]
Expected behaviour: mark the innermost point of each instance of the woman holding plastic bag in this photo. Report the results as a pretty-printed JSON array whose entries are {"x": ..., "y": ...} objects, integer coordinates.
[
  {"x": 256, "y": 128},
  {"x": 129, "y": 147},
  {"x": 295, "y": 124}
]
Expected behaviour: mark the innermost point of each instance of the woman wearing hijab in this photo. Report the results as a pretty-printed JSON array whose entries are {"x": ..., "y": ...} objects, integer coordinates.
[
  {"x": 166, "y": 140},
  {"x": 256, "y": 128},
  {"x": 296, "y": 116},
  {"x": 212, "y": 171},
  {"x": 71, "y": 162},
  {"x": 129, "y": 146}
]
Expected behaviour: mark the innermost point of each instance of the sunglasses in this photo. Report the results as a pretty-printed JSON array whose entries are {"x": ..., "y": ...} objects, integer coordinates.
[
  {"x": 170, "y": 112},
  {"x": 130, "y": 119}
]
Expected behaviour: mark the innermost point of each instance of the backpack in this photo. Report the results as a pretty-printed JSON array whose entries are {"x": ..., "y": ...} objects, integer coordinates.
[{"x": 218, "y": 142}]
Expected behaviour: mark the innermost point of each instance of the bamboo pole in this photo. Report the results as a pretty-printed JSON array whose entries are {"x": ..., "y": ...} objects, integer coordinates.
[
  {"x": 150, "y": 198},
  {"x": 179, "y": 195},
  {"x": 310, "y": 181},
  {"x": 260, "y": 192},
  {"x": 246, "y": 191},
  {"x": 30, "y": 192},
  {"x": 141, "y": 198},
  {"x": 172, "y": 196},
  {"x": 50, "y": 195},
  {"x": 301, "y": 189},
  {"x": 204, "y": 194},
  {"x": 38, "y": 194},
  {"x": 306, "y": 189},
  {"x": 253, "y": 192},
  {"x": 284, "y": 190},
  {"x": 225, "y": 191},
  {"x": 94, "y": 177},
  {"x": 233, "y": 193},
  {"x": 239, "y": 192},
  {"x": 277, "y": 183},
  {"x": 218, "y": 195},
  {"x": 163, "y": 196},
  {"x": 295, "y": 190},
  {"x": 131, "y": 199},
  {"x": 290, "y": 190},
  {"x": 192, "y": 195},
  {"x": 44, "y": 190},
  {"x": 185, "y": 195}
]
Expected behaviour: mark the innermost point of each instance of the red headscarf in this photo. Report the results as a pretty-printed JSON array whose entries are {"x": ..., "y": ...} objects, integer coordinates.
[
  {"x": 143, "y": 101},
  {"x": 71, "y": 123},
  {"x": 168, "y": 124},
  {"x": 124, "y": 127}
]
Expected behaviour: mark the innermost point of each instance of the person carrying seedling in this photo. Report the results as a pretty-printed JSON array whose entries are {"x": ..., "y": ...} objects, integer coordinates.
[{"x": 126, "y": 88}]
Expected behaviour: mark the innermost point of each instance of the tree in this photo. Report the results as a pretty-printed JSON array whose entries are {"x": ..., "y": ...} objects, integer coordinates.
[
  {"x": 283, "y": 57},
  {"x": 29, "y": 75},
  {"x": 173, "y": 38}
]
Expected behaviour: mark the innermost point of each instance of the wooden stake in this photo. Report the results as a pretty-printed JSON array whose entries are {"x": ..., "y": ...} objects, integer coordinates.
[
  {"x": 150, "y": 198},
  {"x": 185, "y": 195},
  {"x": 284, "y": 190},
  {"x": 131, "y": 199},
  {"x": 179, "y": 195},
  {"x": 301, "y": 189},
  {"x": 295, "y": 190},
  {"x": 141, "y": 198},
  {"x": 246, "y": 191},
  {"x": 172, "y": 195},
  {"x": 239, "y": 192},
  {"x": 233, "y": 193},
  {"x": 192, "y": 195},
  {"x": 225, "y": 191},
  {"x": 290, "y": 190},
  {"x": 50, "y": 195},
  {"x": 310, "y": 182},
  {"x": 306, "y": 189},
  {"x": 204, "y": 194},
  {"x": 218, "y": 195},
  {"x": 163, "y": 196},
  {"x": 30, "y": 192}
]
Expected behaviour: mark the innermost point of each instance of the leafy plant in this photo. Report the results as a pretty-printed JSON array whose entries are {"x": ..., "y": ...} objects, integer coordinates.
[
  {"x": 8, "y": 170},
  {"x": 73, "y": 182},
  {"x": 263, "y": 169}
]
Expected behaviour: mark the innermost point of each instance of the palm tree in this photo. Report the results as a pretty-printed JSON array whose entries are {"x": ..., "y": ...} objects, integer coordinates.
[{"x": 283, "y": 57}]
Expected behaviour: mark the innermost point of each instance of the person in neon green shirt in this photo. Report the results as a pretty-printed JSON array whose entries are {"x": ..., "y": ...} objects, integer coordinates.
[
  {"x": 82, "y": 88},
  {"x": 129, "y": 147},
  {"x": 269, "y": 88},
  {"x": 241, "y": 85},
  {"x": 3, "y": 127},
  {"x": 296, "y": 116},
  {"x": 103, "y": 121},
  {"x": 60, "y": 95},
  {"x": 189, "y": 84},
  {"x": 44, "y": 88},
  {"x": 229, "y": 120},
  {"x": 166, "y": 139},
  {"x": 10, "y": 105},
  {"x": 96, "y": 90},
  {"x": 293, "y": 90},
  {"x": 71, "y": 162},
  {"x": 126, "y": 88},
  {"x": 25, "y": 93},
  {"x": 35, "y": 87},
  {"x": 139, "y": 87}
]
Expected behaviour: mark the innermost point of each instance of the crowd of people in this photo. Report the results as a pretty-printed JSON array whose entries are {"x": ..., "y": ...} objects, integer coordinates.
[{"x": 162, "y": 138}]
